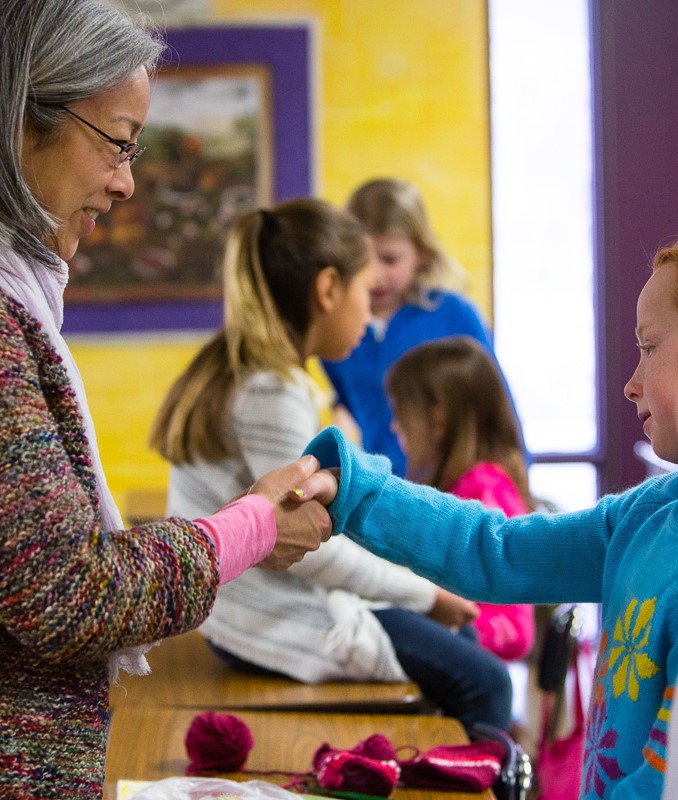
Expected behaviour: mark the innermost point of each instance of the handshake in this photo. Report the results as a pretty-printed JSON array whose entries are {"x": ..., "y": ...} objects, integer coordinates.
[{"x": 298, "y": 494}]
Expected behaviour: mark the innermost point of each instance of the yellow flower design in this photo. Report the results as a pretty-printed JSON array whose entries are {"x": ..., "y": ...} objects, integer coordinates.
[{"x": 627, "y": 651}]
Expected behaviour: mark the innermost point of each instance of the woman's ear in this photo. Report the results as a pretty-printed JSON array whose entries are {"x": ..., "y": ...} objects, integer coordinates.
[{"x": 327, "y": 288}]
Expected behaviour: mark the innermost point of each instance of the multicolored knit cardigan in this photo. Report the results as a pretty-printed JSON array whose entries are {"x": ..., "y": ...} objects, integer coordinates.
[{"x": 70, "y": 593}]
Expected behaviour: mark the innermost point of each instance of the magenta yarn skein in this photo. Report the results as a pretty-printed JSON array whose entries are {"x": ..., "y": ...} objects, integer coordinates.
[
  {"x": 217, "y": 742},
  {"x": 370, "y": 768}
]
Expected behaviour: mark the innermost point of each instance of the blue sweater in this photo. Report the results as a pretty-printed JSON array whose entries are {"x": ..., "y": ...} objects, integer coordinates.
[
  {"x": 359, "y": 379},
  {"x": 622, "y": 553}
]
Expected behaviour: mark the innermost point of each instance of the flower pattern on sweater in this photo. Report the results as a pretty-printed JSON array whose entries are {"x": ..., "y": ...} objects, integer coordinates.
[{"x": 628, "y": 653}]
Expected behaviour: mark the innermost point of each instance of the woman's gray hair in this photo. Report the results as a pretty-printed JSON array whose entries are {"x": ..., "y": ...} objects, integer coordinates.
[{"x": 54, "y": 52}]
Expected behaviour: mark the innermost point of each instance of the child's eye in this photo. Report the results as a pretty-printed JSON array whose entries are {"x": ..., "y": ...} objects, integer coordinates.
[{"x": 646, "y": 349}]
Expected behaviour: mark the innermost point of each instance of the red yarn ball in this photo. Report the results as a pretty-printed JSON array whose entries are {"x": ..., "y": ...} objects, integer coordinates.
[{"x": 217, "y": 742}]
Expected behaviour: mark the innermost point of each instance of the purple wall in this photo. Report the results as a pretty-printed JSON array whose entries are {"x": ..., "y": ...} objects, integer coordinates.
[
  {"x": 286, "y": 51},
  {"x": 636, "y": 96}
]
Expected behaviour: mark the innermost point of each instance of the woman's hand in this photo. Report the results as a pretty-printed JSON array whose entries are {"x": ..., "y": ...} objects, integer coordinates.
[
  {"x": 453, "y": 611},
  {"x": 301, "y": 526}
]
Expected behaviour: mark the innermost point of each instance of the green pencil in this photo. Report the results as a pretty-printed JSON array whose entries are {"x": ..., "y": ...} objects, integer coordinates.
[{"x": 342, "y": 795}]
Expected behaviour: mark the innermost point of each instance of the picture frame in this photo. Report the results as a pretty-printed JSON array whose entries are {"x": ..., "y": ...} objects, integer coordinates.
[{"x": 284, "y": 53}]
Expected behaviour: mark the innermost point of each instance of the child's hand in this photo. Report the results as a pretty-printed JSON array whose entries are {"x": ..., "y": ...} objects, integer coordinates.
[
  {"x": 453, "y": 611},
  {"x": 321, "y": 486}
]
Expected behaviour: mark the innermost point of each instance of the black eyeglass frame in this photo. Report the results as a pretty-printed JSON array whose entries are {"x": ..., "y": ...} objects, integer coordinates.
[{"x": 129, "y": 151}]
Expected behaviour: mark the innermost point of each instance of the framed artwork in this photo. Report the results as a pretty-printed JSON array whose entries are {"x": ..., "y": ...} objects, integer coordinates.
[
  {"x": 229, "y": 129},
  {"x": 208, "y": 160}
]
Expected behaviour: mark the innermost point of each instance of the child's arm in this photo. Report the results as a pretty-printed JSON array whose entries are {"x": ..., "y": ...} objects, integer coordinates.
[
  {"x": 648, "y": 780},
  {"x": 671, "y": 777},
  {"x": 452, "y": 610},
  {"x": 473, "y": 551},
  {"x": 272, "y": 420}
]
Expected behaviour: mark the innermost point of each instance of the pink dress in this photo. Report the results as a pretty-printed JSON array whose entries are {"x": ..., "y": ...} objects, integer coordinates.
[{"x": 506, "y": 630}]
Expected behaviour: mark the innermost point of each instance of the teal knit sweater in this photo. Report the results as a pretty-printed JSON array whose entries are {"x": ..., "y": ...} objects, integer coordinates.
[
  {"x": 70, "y": 593},
  {"x": 623, "y": 553}
]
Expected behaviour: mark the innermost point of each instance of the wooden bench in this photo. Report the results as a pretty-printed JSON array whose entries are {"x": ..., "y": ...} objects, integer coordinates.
[
  {"x": 147, "y": 743},
  {"x": 186, "y": 673}
]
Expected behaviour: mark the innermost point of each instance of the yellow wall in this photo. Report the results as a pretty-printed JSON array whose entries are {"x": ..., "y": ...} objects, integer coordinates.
[
  {"x": 126, "y": 379},
  {"x": 401, "y": 89}
]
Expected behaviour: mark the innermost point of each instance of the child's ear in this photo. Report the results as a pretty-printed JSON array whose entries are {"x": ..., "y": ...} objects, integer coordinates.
[
  {"x": 424, "y": 257},
  {"x": 437, "y": 419},
  {"x": 327, "y": 288}
]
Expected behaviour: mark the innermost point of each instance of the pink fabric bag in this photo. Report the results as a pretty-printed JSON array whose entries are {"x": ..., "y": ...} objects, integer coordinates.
[{"x": 560, "y": 760}]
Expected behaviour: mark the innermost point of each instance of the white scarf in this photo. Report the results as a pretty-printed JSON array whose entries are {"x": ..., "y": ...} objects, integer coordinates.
[{"x": 41, "y": 291}]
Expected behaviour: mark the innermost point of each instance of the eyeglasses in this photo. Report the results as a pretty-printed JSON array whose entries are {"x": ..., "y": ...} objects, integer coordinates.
[{"x": 129, "y": 151}]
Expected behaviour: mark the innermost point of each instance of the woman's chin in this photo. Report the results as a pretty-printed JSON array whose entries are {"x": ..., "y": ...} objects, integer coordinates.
[{"x": 66, "y": 247}]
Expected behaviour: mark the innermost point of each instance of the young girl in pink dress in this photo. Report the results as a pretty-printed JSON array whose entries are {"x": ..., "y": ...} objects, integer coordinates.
[{"x": 454, "y": 421}]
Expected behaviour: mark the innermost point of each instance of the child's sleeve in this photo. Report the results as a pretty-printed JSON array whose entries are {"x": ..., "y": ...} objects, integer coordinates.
[
  {"x": 661, "y": 749},
  {"x": 460, "y": 545},
  {"x": 273, "y": 420},
  {"x": 648, "y": 780}
]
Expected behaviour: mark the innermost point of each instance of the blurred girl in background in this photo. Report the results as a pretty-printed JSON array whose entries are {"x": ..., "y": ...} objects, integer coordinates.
[
  {"x": 297, "y": 284},
  {"x": 454, "y": 421},
  {"x": 417, "y": 298}
]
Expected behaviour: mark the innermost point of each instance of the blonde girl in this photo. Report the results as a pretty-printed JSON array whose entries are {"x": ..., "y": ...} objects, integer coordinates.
[
  {"x": 297, "y": 284},
  {"x": 417, "y": 297}
]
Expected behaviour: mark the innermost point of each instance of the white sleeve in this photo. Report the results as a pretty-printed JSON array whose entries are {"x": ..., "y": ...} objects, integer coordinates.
[
  {"x": 273, "y": 421},
  {"x": 342, "y": 564}
]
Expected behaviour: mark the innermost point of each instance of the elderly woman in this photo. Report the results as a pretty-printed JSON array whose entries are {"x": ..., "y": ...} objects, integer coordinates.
[{"x": 79, "y": 595}]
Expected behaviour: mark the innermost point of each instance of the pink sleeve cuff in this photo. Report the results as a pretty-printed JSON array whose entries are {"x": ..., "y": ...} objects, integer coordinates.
[{"x": 243, "y": 533}]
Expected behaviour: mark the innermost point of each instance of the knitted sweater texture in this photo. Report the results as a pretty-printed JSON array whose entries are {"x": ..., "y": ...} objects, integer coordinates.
[
  {"x": 622, "y": 553},
  {"x": 70, "y": 592}
]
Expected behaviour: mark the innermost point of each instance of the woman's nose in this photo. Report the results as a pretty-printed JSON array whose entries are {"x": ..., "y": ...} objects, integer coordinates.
[{"x": 121, "y": 185}]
